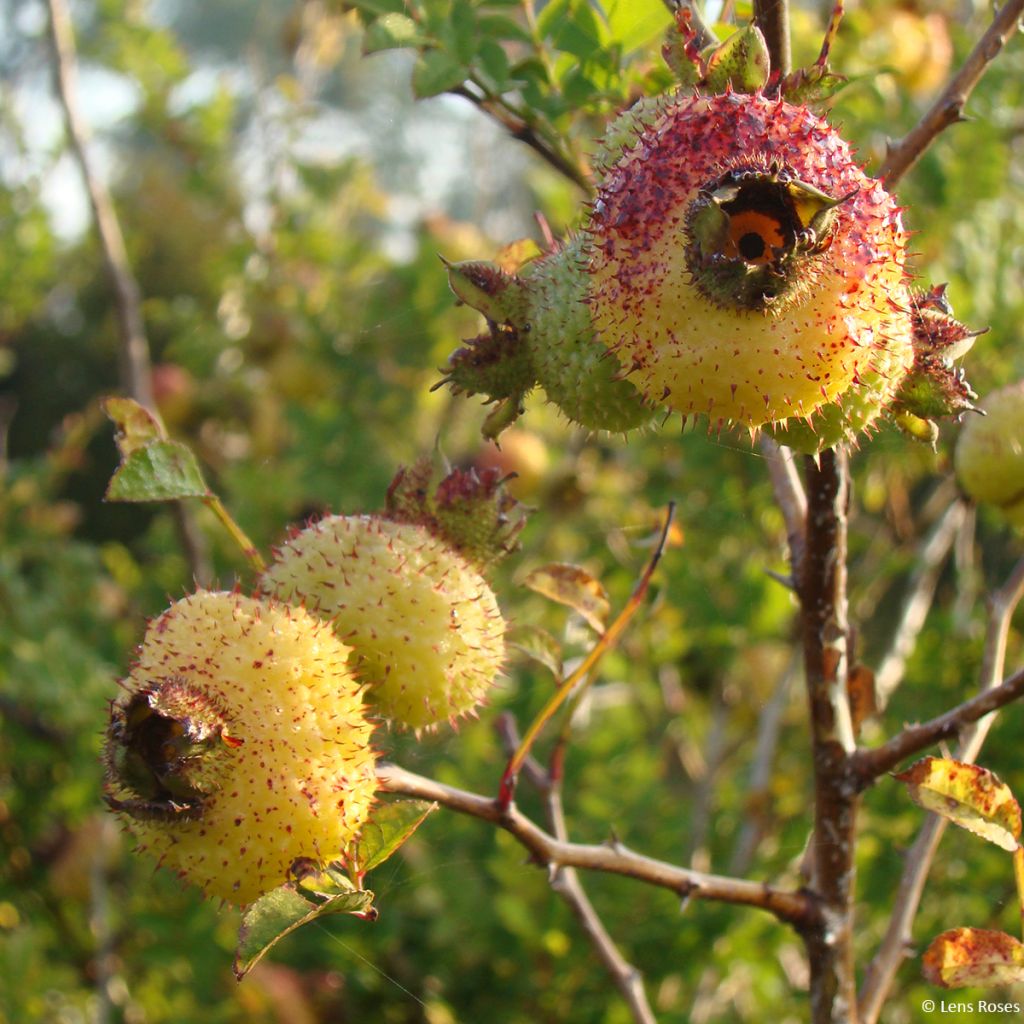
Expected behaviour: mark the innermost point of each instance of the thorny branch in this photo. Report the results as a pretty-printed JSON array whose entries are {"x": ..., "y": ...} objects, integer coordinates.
[
  {"x": 948, "y": 108},
  {"x": 794, "y": 907},
  {"x": 894, "y": 948},
  {"x": 136, "y": 370},
  {"x": 822, "y": 593}
]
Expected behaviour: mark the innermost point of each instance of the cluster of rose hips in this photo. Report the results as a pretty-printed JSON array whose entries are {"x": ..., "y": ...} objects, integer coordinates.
[{"x": 243, "y": 739}]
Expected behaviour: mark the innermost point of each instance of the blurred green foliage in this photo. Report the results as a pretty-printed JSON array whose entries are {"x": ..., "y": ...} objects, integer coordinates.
[{"x": 270, "y": 182}]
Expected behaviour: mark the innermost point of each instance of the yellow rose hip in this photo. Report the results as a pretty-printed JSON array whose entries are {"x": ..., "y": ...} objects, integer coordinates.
[
  {"x": 240, "y": 743},
  {"x": 425, "y": 628}
]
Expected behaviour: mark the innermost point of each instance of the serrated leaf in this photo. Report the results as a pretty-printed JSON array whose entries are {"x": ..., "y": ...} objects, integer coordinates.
[
  {"x": 973, "y": 956},
  {"x": 570, "y": 585},
  {"x": 134, "y": 425},
  {"x": 434, "y": 73},
  {"x": 391, "y": 32},
  {"x": 969, "y": 796},
  {"x": 160, "y": 471},
  {"x": 634, "y": 23},
  {"x": 538, "y": 645},
  {"x": 280, "y": 912},
  {"x": 390, "y": 825}
]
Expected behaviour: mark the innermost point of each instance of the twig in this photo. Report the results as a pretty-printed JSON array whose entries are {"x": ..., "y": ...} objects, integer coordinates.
[
  {"x": 566, "y": 884},
  {"x": 790, "y": 496},
  {"x": 921, "y": 593},
  {"x": 772, "y": 18},
  {"x": 949, "y": 107},
  {"x": 822, "y": 592},
  {"x": 519, "y": 128},
  {"x": 870, "y": 764},
  {"x": 135, "y": 364},
  {"x": 135, "y": 369},
  {"x": 794, "y": 907},
  {"x": 881, "y": 971}
]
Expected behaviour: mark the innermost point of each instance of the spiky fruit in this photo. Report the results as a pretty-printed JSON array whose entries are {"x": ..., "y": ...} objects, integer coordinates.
[
  {"x": 576, "y": 371},
  {"x": 240, "y": 744},
  {"x": 742, "y": 266},
  {"x": 540, "y": 332},
  {"x": 425, "y": 628},
  {"x": 989, "y": 455}
]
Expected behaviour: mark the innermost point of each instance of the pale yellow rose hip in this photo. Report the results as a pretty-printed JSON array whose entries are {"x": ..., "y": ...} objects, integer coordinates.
[
  {"x": 424, "y": 625},
  {"x": 240, "y": 744}
]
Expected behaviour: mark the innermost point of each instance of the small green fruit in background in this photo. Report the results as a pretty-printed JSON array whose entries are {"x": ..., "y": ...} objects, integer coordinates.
[
  {"x": 425, "y": 628},
  {"x": 241, "y": 743},
  {"x": 989, "y": 456}
]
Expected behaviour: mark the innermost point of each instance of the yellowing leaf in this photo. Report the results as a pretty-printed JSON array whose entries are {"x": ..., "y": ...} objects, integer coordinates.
[
  {"x": 973, "y": 956},
  {"x": 134, "y": 425},
  {"x": 967, "y": 795},
  {"x": 572, "y": 586}
]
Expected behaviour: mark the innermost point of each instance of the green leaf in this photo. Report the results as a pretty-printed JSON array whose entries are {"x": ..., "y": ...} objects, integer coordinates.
[
  {"x": 494, "y": 61},
  {"x": 570, "y": 585},
  {"x": 574, "y": 28},
  {"x": 435, "y": 72},
  {"x": 635, "y": 23},
  {"x": 281, "y": 911},
  {"x": 135, "y": 426},
  {"x": 390, "y": 825},
  {"x": 973, "y": 956},
  {"x": 391, "y": 32},
  {"x": 967, "y": 795},
  {"x": 464, "y": 31},
  {"x": 500, "y": 26},
  {"x": 160, "y": 471}
]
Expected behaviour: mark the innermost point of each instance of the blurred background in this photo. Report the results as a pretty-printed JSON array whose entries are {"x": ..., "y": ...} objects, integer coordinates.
[{"x": 284, "y": 198}]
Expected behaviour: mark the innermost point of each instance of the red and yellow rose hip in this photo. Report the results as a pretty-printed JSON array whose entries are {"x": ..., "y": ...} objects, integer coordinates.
[
  {"x": 743, "y": 267},
  {"x": 240, "y": 744},
  {"x": 425, "y": 628}
]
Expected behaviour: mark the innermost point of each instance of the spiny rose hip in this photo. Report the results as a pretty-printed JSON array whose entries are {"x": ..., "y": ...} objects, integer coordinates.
[
  {"x": 240, "y": 744},
  {"x": 744, "y": 267},
  {"x": 425, "y": 627},
  {"x": 989, "y": 454}
]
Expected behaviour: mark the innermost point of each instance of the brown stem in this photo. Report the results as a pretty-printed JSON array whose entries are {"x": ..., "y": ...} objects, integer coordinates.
[
  {"x": 794, "y": 907},
  {"x": 870, "y": 764},
  {"x": 949, "y": 107},
  {"x": 790, "y": 496},
  {"x": 135, "y": 367},
  {"x": 135, "y": 363},
  {"x": 822, "y": 591},
  {"x": 772, "y": 18},
  {"x": 520, "y": 129},
  {"x": 565, "y": 881},
  {"x": 881, "y": 971}
]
